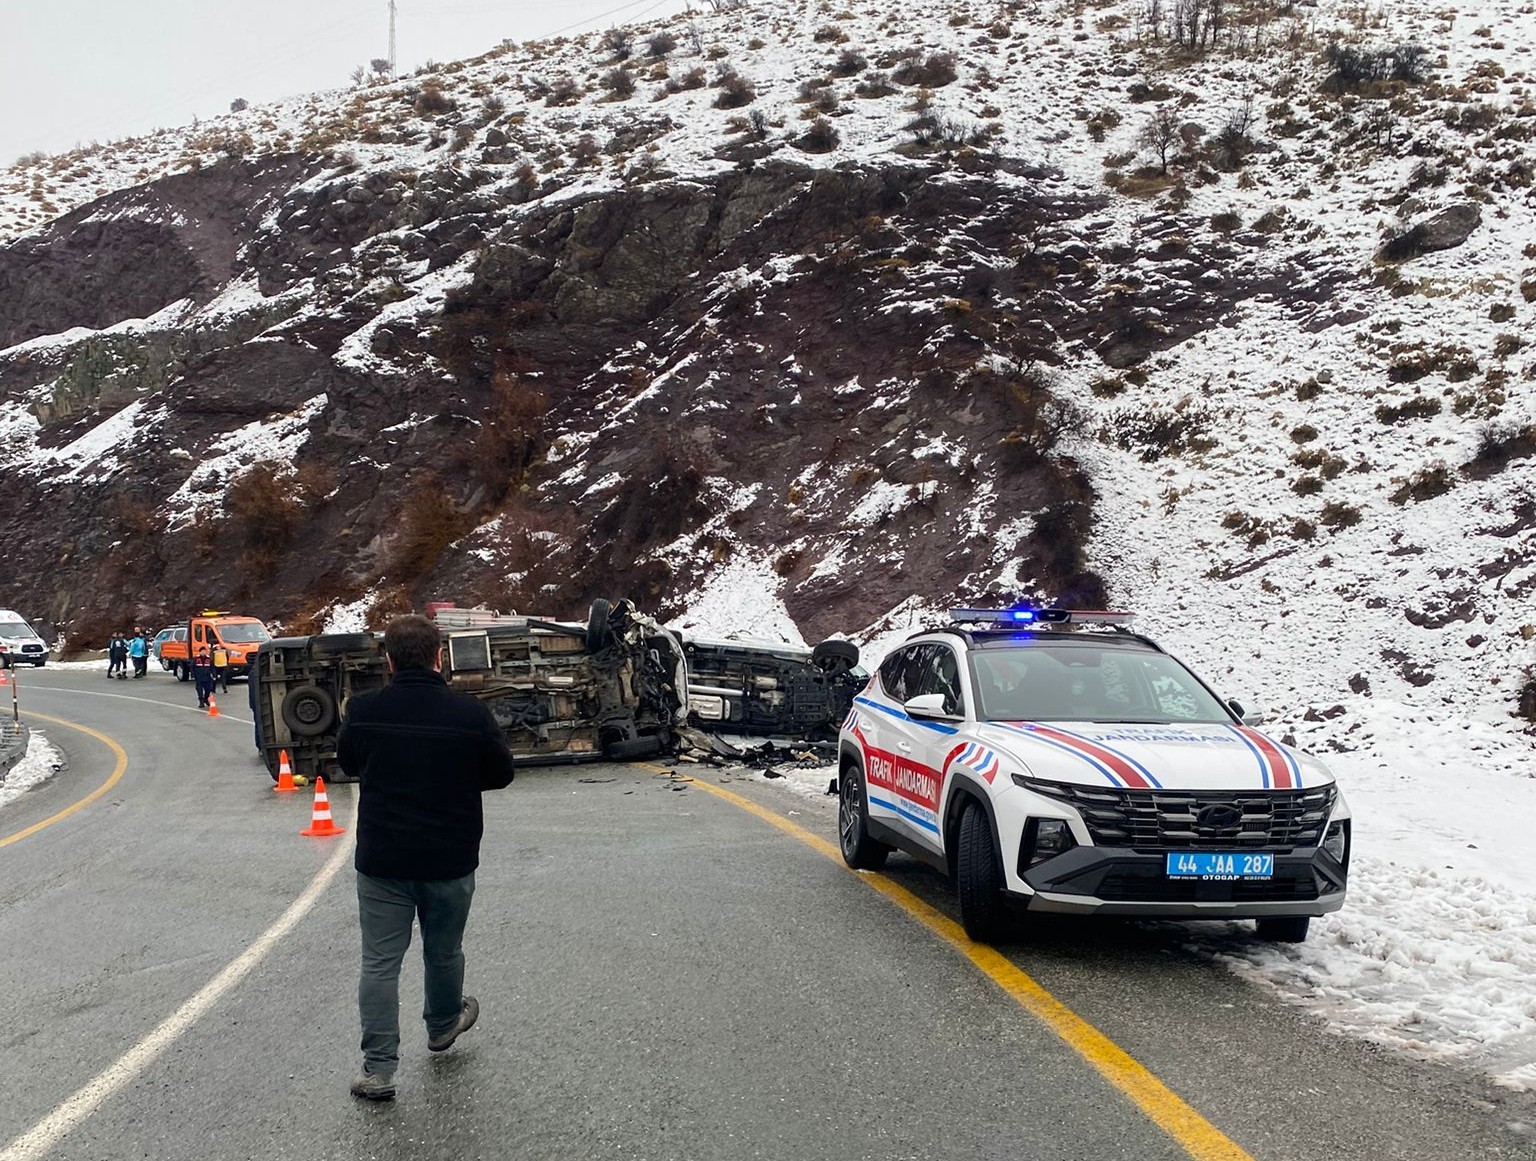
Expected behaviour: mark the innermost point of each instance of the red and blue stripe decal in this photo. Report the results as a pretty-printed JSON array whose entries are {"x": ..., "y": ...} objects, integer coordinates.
[
  {"x": 976, "y": 758},
  {"x": 1119, "y": 769},
  {"x": 1278, "y": 769}
]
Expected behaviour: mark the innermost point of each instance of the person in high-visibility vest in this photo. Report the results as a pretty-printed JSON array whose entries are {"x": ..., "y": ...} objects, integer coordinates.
[{"x": 221, "y": 667}]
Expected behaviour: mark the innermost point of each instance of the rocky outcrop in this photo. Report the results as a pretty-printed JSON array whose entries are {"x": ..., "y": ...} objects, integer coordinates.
[{"x": 505, "y": 395}]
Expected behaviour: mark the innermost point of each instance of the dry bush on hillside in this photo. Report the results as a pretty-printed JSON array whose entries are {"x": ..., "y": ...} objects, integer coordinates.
[
  {"x": 929, "y": 72},
  {"x": 429, "y": 522},
  {"x": 735, "y": 90},
  {"x": 1498, "y": 447},
  {"x": 821, "y": 137},
  {"x": 431, "y": 101},
  {"x": 660, "y": 44},
  {"x": 694, "y": 78},
  {"x": 620, "y": 83},
  {"x": 1425, "y": 484},
  {"x": 264, "y": 508},
  {"x": 618, "y": 42},
  {"x": 850, "y": 62}
]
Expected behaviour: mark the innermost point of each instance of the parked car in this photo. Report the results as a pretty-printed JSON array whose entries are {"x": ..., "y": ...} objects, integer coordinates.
[
  {"x": 1057, "y": 762},
  {"x": 238, "y": 636},
  {"x": 19, "y": 642}
]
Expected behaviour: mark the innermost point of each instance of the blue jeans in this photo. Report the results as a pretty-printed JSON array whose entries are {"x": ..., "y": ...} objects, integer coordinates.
[{"x": 385, "y": 909}]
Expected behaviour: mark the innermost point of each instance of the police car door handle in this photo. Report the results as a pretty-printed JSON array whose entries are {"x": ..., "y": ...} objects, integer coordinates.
[{"x": 904, "y": 747}]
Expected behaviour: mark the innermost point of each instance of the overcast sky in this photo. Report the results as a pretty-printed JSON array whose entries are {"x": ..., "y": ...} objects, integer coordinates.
[{"x": 74, "y": 71}]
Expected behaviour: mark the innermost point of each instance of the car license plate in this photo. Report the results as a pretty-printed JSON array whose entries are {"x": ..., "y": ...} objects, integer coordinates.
[{"x": 1220, "y": 865}]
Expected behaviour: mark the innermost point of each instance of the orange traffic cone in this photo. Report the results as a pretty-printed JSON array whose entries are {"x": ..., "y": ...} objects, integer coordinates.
[
  {"x": 320, "y": 824},
  {"x": 5, "y": 677},
  {"x": 213, "y": 707},
  {"x": 284, "y": 774}
]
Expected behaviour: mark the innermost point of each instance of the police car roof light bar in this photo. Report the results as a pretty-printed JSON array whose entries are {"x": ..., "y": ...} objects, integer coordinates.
[{"x": 1017, "y": 618}]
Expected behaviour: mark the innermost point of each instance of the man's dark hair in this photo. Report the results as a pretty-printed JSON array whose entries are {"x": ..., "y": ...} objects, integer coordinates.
[{"x": 412, "y": 643}]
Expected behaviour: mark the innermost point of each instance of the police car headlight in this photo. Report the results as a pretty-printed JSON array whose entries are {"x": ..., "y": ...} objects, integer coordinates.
[
  {"x": 1336, "y": 842},
  {"x": 1045, "y": 838}
]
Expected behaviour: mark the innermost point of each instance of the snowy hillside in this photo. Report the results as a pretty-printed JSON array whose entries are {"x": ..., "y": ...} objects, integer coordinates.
[{"x": 822, "y": 320}]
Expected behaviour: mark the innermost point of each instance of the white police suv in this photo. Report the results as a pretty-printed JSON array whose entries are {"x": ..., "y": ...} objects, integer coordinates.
[
  {"x": 1058, "y": 760},
  {"x": 19, "y": 643}
]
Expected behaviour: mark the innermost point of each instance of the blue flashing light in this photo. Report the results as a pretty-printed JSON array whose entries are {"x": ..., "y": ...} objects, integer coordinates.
[{"x": 1023, "y": 614}]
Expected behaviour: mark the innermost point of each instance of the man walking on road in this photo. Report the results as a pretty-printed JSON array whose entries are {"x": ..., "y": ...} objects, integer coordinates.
[{"x": 422, "y": 754}]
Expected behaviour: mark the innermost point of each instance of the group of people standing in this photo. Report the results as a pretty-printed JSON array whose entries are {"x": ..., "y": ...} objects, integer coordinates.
[
  {"x": 209, "y": 670},
  {"x": 123, "y": 648}
]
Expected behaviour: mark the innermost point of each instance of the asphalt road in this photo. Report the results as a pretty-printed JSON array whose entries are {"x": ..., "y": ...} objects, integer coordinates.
[{"x": 662, "y": 975}]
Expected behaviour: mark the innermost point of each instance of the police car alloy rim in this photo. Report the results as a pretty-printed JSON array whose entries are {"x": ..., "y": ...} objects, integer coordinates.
[{"x": 849, "y": 802}]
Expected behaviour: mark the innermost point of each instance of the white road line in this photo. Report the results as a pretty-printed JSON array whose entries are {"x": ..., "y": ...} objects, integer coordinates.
[
  {"x": 191, "y": 709},
  {"x": 37, "y": 1141}
]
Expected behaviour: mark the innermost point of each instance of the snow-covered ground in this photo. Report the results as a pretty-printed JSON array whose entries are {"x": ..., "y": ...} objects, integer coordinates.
[{"x": 40, "y": 763}]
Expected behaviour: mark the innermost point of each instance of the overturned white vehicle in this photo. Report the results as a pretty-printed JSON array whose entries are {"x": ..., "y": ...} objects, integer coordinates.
[{"x": 616, "y": 687}]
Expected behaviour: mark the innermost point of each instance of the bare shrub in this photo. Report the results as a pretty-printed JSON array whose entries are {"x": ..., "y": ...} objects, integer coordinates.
[
  {"x": 735, "y": 90},
  {"x": 493, "y": 107},
  {"x": 1157, "y": 431},
  {"x": 660, "y": 44},
  {"x": 830, "y": 34},
  {"x": 1424, "y": 484},
  {"x": 929, "y": 72},
  {"x": 431, "y": 101},
  {"x": 1354, "y": 67},
  {"x": 510, "y": 439},
  {"x": 618, "y": 42},
  {"x": 849, "y": 63},
  {"x": 1160, "y": 134},
  {"x": 620, "y": 83},
  {"x": 1419, "y": 407},
  {"x": 693, "y": 79},
  {"x": 262, "y": 504},
  {"x": 821, "y": 137},
  {"x": 1498, "y": 447},
  {"x": 239, "y": 105},
  {"x": 874, "y": 85},
  {"x": 565, "y": 91}
]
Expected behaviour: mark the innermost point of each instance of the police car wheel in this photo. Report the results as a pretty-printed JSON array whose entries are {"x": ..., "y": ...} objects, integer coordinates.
[
  {"x": 979, "y": 877},
  {"x": 860, "y": 852},
  {"x": 1284, "y": 928},
  {"x": 308, "y": 711}
]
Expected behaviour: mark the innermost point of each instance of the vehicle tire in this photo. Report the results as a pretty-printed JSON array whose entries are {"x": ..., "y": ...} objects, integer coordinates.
[
  {"x": 599, "y": 635},
  {"x": 835, "y": 656},
  {"x": 860, "y": 851},
  {"x": 309, "y": 711},
  {"x": 629, "y": 748},
  {"x": 979, "y": 877},
  {"x": 1284, "y": 928},
  {"x": 39, "y": 664}
]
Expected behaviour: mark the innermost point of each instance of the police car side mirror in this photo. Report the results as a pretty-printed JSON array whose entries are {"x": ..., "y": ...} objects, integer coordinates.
[
  {"x": 926, "y": 705},
  {"x": 1246, "y": 716}
]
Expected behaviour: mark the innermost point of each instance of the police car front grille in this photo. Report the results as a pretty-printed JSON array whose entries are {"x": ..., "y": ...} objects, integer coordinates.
[{"x": 1156, "y": 820}]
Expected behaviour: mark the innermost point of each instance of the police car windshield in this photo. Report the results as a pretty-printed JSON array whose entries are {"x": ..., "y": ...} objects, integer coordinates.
[
  {"x": 244, "y": 633},
  {"x": 15, "y": 629},
  {"x": 1041, "y": 681}
]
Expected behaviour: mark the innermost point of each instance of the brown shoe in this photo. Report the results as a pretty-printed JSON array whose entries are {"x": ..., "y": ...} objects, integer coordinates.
[{"x": 468, "y": 1014}]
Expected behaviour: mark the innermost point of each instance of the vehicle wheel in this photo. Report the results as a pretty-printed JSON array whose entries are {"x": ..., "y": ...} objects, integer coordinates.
[
  {"x": 632, "y": 748},
  {"x": 39, "y": 664},
  {"x": 309, "y": 711},
  {"x": 835, "y": 656},
  {"x": 182, "y": 671},
  {"x": 860, "y": 852},
  {"x": 599, "y": 635},
  {"x": 979, "y": 876},
  {"x": 1284, "y": 928}
]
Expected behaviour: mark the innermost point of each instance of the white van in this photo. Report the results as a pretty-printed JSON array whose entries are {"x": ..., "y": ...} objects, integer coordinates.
[{"x": 18, "y": 643}]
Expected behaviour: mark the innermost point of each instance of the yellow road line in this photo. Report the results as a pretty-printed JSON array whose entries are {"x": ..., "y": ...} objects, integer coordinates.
[
  {"x": 112, "y": 779},
  {"x": 1194, "y": 1134}
]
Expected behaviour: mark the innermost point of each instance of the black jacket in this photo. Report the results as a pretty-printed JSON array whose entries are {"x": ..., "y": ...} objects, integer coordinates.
[{"x": 421, "y": 754}]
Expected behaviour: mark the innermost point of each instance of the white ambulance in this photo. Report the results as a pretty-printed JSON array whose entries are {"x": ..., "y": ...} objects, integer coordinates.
[{"x": 19, "y": 644}]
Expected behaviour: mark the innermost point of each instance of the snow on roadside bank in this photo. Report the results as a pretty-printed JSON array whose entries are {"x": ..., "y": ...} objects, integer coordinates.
[
  {"x": 1435, "y": 949},
  {"x": 40, "y": 763}
]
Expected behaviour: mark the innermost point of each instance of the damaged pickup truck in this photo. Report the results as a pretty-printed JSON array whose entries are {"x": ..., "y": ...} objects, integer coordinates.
[{"x": 615, "y": 688}]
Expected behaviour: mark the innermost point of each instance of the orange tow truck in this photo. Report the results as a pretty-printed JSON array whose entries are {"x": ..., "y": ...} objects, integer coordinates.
[{"x": 236, "y": 636}]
